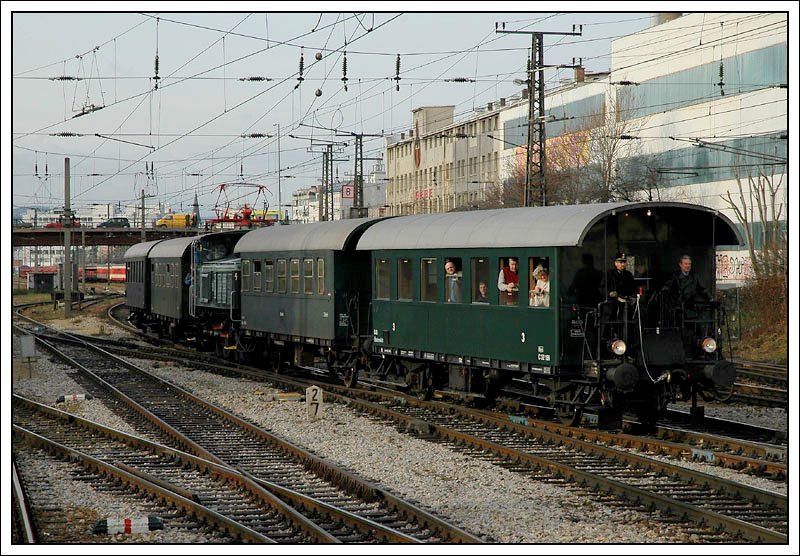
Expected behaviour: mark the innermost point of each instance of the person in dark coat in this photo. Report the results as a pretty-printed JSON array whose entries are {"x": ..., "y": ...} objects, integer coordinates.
[
  {"x": 586, "y": 283},
  {"x": 684, "y": 287},
  {"x": 619, "y": 279},
  {"x": 619, "y": 289}
]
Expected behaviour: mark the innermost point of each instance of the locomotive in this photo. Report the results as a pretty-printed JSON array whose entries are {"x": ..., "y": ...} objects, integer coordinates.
[{"x": 372, "y": 300}]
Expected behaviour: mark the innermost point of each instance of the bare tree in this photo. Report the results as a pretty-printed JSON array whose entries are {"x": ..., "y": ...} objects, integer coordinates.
[
  {"x": 761, "y": 204},
  {"x": 613, "y": 137}
]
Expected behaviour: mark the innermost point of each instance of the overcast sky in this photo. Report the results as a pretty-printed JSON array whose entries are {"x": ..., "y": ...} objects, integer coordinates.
[{"x": 190, "y": 126}]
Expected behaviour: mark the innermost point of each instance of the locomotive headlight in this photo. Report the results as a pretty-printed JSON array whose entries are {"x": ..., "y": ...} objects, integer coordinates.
[
  {"x": 618, "y": 347},
  {"x": 709, "y": 345}
]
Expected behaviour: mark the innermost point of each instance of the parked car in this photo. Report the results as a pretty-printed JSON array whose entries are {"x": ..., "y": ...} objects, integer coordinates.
[
  {"x": 20, "y": 223},
  {"x": 59, "y": 224},
  {"x": 117, "y": 222},
  {"x": 174, "y": 220}
]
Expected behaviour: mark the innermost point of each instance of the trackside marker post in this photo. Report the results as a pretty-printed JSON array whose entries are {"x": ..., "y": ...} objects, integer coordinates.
[
  {"x": 73, "y": 398},
  {"x": 127, "y": 525},
  {"x": 314, "y": 403}
]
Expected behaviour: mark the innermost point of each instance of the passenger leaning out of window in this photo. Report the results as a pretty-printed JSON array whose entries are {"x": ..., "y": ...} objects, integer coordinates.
[
  {"x": 508, "y": 282},
  {"x": 453, "y": 283},
  {"x": 540, "y": 294}
]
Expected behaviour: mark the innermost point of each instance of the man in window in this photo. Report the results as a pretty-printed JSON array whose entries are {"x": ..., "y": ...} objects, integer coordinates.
[
  {"x": 453, "y": 283},
  {"x": 508, "y": 282}
]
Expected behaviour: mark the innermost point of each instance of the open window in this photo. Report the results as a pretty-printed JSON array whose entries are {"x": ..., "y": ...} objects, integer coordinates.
[{"x": 539, "y": 280}]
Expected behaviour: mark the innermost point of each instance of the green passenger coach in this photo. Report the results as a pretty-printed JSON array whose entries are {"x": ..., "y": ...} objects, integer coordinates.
[{"x": 444, "y": 318}]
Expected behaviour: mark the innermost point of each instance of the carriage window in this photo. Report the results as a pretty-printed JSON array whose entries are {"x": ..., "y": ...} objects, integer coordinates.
[
  {"x": 294, "y": 275},
  {"x": 382, "y": 277},
  {"x": 308, "y": 276},
  {"x": 256, "y": 276},
  {"x": 508, "y": 281},
  {"x": 321, "y": 276},
  {"x": 452, "y": 280},
  {"x": 268, "y": 276},
  {"x": 539, "y": 279},
  {"x": 428, "y": 280},
  {"x": 245, "y": 276},
  {"x": 404, "y": 278},
  {"x": 480, "y": 280},
  {"x": 281, "y": 275}
]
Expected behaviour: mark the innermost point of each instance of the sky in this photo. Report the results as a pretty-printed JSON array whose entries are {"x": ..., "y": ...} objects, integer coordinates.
[{"x": 182, "y": 133}]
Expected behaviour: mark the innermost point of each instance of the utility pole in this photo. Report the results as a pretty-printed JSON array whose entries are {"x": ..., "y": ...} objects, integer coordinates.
[
  {"x": 67, "y": 222},
  {"x": 280, "y": 206},
  {"x": 535, "y": 156},
  {"x": 143, "y": 233}
]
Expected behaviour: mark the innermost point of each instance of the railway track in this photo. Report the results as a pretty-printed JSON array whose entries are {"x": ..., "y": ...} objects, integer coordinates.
[
  {"x": 734, "y": 445},
  {"x": 235, "y": 503},
  {"x": 308, "y": 483},
  {"x": 733, "y": 505},
  {"x": 762, "y": 384}
]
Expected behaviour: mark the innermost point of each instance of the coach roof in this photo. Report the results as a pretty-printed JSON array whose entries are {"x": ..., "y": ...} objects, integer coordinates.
[
  {"x": 551, "y": 226},
  {"x": 336, "y": 235},
  {"x": 140, "y": 249},
  {"x": 172, "y": 248}
]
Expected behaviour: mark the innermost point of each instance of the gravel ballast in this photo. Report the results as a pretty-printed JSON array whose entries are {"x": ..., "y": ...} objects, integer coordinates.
[{"x": 482, "y": 498}]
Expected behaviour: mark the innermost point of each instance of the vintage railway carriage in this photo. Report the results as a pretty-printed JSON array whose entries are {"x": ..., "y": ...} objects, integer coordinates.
[
  {"x": 305, "y": 292},
  {"x": 137, "y": 285},
  {"x": 433, "y": 330},
  {"x": 169, "y": 294}
]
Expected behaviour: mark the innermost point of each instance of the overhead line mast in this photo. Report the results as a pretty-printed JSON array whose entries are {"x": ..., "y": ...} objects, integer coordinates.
[{"x": 536, "y": 116}]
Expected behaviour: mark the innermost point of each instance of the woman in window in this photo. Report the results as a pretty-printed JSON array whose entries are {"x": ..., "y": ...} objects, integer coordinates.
[{"x": 540, "y": 294}]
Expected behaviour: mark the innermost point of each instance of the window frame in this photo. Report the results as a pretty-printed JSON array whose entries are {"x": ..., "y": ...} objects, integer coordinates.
[
  {"x": 308, "y": 278},
  {"x": 269, "y": 276},
  {"x": 282, "y": 281},
  {"x": 428, "y": 267},
  {"x": 401, "y": 279},
  {"x": 294, "y": 275}
]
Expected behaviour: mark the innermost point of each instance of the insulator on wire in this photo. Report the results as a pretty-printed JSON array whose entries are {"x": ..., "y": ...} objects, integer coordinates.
[
  {"x": 397, "y": 73},
  {"x": 300, "y": 78},
  {"x": 156, "y": 77},
  {"x": 344, "y": 70}
]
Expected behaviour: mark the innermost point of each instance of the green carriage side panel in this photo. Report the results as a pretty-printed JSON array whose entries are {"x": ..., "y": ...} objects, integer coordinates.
[
  {"x": 168, "y": 264},
  {"x": 502, "y": 333},
  {"x": 562, "y": 233},
  {"x": 329, "y": 316}
]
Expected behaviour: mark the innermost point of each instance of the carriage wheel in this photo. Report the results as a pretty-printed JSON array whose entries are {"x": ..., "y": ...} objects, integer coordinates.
[
  {"x": 725, "y": 395},
  {"x": 424, "y": 384},
  {"x": 351, "y": 376},
  {"x": 569, "y": 416}
]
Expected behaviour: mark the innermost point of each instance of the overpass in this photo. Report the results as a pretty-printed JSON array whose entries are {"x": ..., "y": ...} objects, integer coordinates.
[{"x": 40, "y": 237}]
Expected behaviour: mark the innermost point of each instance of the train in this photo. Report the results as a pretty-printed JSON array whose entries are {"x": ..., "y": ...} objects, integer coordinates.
[{"x": 418, "y": 303}]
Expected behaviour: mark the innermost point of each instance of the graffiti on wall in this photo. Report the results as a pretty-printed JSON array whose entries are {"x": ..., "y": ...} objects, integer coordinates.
[{"x": 734, "y": 265}]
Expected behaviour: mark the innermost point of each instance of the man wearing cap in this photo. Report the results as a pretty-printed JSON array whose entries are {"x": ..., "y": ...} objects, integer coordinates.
[
  {"x": 620, "y": 281},
  {"x": 620, "y": 288}
]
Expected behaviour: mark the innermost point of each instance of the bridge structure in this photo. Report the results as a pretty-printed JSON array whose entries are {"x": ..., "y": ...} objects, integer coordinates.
[{"x": 40, "y": 237}]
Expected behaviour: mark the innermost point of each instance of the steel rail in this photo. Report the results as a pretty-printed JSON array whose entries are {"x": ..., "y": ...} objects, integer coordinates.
[{"x": 190, "y": 507}]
